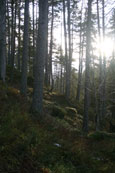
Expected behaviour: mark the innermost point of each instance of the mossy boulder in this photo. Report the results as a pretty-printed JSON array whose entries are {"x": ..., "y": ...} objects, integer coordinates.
[
  {"x": 79, "y": 116},
  {"x": 71, "y": 112},
  {"x": 58, "y": 112}
]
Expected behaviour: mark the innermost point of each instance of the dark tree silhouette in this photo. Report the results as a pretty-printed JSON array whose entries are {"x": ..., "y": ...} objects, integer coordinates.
[
  {"x": 2, "y": 39},
  {"x": 37, "y": 104}
]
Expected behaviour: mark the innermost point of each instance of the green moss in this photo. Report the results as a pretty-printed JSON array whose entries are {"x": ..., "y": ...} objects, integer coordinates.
[
  {"x": 58, "y": 112},
  {"x": 54, "y": 145},
  {"x": 63, "y": 168},
  {"x": 72, "y": 112},
  {"x": 101, "y": 135}
]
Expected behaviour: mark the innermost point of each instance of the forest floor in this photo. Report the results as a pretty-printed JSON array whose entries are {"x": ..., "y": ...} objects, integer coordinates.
[{"x": 55, "y": 144}]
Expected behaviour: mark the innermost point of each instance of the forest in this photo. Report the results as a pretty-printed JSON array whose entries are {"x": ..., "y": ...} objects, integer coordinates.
[{"x": 57, "y": 86}]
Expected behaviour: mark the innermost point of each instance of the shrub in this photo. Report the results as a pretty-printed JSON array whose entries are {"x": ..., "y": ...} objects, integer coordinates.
[{"x": 62, "y": 168}]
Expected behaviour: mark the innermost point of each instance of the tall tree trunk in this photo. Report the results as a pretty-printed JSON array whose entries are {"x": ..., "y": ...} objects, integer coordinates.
[
  {"x": 14, "y": 10},
  {"x": 61, "y": 63},
  {"x": 113, "y": 54},
  {"x": 104, "y": 63},
  {"x": 25, "y": 50},
  {"x": 2, "y": 39},
  {"x": 88, "y": 46},
  {"x": 37, "y": 104},
  {"x": 33, "y": 15},
  {"x": 94, "y": 93},
  {"x": 51, "y": 47},
  {"x": 80, "y": 60},
  {"x": 68, "y": 70},
  {"x": 12, "y": 29},
  {"x": 98, "y": 116},
  {"x": 46, "y": 60},
  {"x": 9, "y": 36},
  {"x": 33, "y": 31},
  {"x": 29, "y": 52},
  {"x": 61, "y": 80},
  {"x": 63, "y": 86},
  {"x": 19, "y": 35},
  {"x": 65, "y": 40},
  {"x": 36, "y": 21}
]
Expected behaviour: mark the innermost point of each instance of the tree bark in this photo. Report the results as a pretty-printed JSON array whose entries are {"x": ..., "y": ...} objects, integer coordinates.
[
  {"x": 33, "y": 15},
  {"x": 88, "y": 46},
  {"x": 61, "y": 64},
  {"x": 14, "y": 11},
  {"x": 68, "y": 70},
  {"x": 46, "y": 60},
  {"x": 98, "y": 116},
  {"x": 9, "y": 34},
  {"x": 25, "y": 50},
  {"x": 51, "y": 47},
  {"x": 80, "y": 60},
  {"x": 37, "y": 104},
  {"x": 2, "y": 39},
  {"x": 19, "y": 36},
  {"x": 104, "y": 63}
]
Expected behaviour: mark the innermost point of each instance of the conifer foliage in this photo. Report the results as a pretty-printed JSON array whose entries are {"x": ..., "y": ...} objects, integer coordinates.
[{"x": 61, "y": 45}]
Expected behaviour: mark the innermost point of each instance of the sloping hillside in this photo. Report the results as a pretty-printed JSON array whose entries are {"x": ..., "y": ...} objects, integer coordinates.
[{"x": 54, "y": 144}]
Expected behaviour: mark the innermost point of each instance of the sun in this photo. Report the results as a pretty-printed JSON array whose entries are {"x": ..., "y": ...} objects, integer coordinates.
[{"x": 105, "y": 47}]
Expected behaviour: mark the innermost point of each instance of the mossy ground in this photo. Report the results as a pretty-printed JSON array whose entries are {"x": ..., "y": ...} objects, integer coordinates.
[{"x": 54, "y": 145}]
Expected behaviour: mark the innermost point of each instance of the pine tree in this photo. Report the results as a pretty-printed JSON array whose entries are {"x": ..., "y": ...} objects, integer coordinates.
[
  {"x": 2, "y": 39},
  {"x": 37, "y": 104},
  {"x": 25, "y": 50},
  {"x": 19, "y": 35},
  {"x": 69, "y": 60},
  {"x": 87, "y": 69}
]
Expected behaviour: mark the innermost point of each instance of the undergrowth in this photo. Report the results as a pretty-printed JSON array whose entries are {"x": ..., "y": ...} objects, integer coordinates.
[{"x": 53, "y": 145}]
